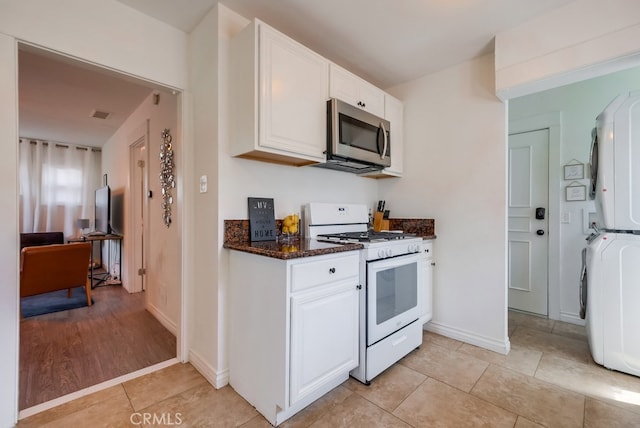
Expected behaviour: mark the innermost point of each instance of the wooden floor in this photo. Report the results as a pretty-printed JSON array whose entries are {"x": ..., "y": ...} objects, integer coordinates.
[{"x": 67, "y": 351}]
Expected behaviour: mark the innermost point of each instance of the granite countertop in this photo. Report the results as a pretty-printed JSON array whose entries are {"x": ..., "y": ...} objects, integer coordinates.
[
  {"x": 236, "y": 237},
  {"x": 293, "y": 250}
]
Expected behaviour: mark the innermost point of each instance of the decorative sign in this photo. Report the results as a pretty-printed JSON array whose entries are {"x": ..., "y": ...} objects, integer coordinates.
[
  {"x": 574, "y": 171},
  {"x": 262, "y": 222},
  {"x": 576, "y": 193}
]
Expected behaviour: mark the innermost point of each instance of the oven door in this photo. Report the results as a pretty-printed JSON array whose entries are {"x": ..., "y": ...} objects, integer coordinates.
[{"x": 395, "y": 294}]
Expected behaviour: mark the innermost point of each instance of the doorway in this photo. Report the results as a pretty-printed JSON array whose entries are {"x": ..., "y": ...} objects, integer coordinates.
[
  {"x": 528, "y": 200},
  {"x": 112, "y": 354},
  {"x": 552, "y": 122}
]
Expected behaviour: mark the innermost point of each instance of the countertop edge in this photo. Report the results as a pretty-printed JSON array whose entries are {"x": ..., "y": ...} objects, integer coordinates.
[{"x": 247, "y": 247}]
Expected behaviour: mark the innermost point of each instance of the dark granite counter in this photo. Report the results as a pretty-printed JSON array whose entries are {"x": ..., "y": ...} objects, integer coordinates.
[
  {"x": 296, "y": 249},
  {"x": 236, "y": 237}
]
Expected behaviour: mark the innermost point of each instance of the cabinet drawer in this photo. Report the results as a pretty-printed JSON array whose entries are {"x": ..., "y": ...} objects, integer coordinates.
[{"x": 309, "y": 274}]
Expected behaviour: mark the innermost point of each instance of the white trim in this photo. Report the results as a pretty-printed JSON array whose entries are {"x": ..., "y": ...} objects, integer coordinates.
[
  {"x": 162, "y": 318},
  {"x": 95, "y": 388},
  {"x": 215, "y": 378},
  {"x": 572, "y": 318},
  {"x": 186, "y": 199},
  {"x": 501, "y": 347},
  {"x": 553, "y": 122}
]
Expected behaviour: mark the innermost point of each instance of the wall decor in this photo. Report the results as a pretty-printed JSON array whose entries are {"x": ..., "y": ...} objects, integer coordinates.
[
  {"x": 574, "y": 170},
  {"x": 576, "y": 192},
  {"x": 167, "y": 176}
]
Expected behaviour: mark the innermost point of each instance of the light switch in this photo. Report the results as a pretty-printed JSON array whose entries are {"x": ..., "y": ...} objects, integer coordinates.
[
  {"x": 566, "y": 217},
  {"x": 203, "y": 184}
]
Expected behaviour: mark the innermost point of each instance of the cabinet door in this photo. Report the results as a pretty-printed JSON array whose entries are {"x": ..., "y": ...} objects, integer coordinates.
[
  {"x": 351, "y": 89},
  {"x": 293, "y": 92},
  {"x": 394, "y": 113},
  {"x": 428, "y": 290},
  {"x": 324, "y": 337}
]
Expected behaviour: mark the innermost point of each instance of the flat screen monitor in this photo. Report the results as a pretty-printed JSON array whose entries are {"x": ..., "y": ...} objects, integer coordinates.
[{"x": 103, "y": 210}]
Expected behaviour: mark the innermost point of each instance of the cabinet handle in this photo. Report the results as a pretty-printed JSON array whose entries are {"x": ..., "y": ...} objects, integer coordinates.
[
  {"x": 359, "y": 287},
  {"x": 433, "y": 263},
  {"x": 332, "y": 270},
  {"x": 361, "y": 104}
]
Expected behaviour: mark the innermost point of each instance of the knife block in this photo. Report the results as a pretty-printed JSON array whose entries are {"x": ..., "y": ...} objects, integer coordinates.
[{"x": 379, "y": 223}]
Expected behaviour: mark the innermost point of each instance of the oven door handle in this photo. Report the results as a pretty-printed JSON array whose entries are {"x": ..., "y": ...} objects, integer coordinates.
[{"x": 399, "y": 341}]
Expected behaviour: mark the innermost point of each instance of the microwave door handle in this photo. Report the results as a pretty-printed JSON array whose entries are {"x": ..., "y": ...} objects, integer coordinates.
[{"x": 386, "y": 141}]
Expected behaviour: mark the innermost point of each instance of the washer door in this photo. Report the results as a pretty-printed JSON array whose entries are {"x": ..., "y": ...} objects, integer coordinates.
[
  {"x": 593, "y": 157},
  {"x": 583, "y": 285}
]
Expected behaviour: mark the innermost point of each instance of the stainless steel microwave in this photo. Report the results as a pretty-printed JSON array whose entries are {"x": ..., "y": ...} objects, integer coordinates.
[{"x": 357, "y": 141}]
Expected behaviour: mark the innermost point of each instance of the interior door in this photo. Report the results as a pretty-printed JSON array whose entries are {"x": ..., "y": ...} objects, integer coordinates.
[
  {"x": 528, "y": 221},
  {"x": 138, "y": 191}
]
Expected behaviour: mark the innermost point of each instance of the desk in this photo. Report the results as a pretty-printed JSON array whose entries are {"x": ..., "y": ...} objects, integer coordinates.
[{"x": 100, "y": 239}]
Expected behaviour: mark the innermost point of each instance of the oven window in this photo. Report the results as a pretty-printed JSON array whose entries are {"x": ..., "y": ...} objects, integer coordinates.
[{"x": 396, "y": 291}]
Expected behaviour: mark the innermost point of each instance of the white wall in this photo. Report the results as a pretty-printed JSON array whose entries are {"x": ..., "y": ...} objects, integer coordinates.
[
  {"x": 585, "y": 38},
  {"x": 231, "y": 181},
  {"x": 203, "y": 295},
  {"x": 104, "y": 32},
  {"x": 578, "y": 104},
  {"x": 9, "y": 242},
  {"x": 163, "y": 251},
  {"x": 455, "y": 169}
]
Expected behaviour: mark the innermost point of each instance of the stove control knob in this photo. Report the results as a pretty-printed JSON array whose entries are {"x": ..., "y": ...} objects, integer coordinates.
[
  {"x": 381, "y": 253},
  {"x": 418, "y": 248},
  {"x": 389, "y": 252}
]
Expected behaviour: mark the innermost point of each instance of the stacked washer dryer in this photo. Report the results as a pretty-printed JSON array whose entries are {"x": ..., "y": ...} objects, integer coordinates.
[{"x": 610, "y": 283}]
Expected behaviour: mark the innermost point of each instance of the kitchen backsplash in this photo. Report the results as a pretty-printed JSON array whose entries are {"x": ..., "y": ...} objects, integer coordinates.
[{"x": 238, "y": 230}]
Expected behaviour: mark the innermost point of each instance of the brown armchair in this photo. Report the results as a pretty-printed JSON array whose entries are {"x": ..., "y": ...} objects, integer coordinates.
[{"x": 55, "y": 267}]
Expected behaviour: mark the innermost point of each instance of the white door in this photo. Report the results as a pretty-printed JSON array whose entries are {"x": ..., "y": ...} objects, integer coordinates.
[
  {"x": 528, "y": 226},
  {"x": 138, "y": 192}
]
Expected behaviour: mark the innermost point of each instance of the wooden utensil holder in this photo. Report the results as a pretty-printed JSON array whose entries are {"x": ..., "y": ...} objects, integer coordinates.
[{"x": 379, "y": 223}]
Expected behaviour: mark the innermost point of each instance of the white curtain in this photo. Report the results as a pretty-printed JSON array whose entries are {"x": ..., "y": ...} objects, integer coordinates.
[{"x": 57, "y": 185}]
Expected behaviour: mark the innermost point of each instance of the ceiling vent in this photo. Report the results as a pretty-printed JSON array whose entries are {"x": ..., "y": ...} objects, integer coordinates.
[{"x": 100, "y": 114}]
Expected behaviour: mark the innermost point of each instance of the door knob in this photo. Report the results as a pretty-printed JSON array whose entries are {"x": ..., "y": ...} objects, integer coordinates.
[{"x": 540, "y": 232}]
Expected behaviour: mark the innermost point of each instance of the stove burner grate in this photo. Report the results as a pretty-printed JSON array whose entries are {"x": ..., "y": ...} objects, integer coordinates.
[{"x": 370, "y": 236}]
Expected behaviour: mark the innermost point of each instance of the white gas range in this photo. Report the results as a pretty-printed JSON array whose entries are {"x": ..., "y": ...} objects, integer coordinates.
[{"x": 392, "y": 296}]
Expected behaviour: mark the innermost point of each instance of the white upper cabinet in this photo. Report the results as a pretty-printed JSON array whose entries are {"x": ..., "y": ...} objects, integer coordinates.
[
  {"x": 394, "y": 113},
  {"x": 278, "y": 100},
  {"x": 278, "y": 95},
  {"x": 351, "y": 89}
]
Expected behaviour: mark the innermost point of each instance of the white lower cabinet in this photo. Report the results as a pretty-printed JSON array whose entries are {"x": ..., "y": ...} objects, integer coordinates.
[
  {"x": 293, "y": 333},
  {"x": 428, "y": 281},
  {"x": 324, "y": 337}
]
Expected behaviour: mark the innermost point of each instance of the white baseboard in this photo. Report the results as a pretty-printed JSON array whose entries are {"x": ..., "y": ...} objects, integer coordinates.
[
  {"x": 501, "y": 347},
  {"x": 163, "y": 319},
  {"x": 572, "y": 318},
  {"x": 215, "y": 378}
]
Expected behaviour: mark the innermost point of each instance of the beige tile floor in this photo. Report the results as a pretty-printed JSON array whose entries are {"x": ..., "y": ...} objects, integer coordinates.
[{"x": 548, "y": 379}]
